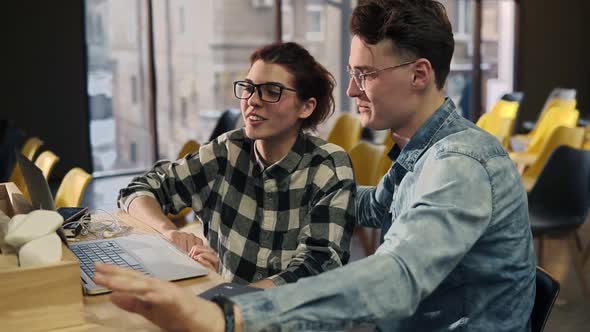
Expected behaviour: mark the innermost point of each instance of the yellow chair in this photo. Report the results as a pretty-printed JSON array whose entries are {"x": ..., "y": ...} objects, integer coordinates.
[
  {"x": 29, "y": 150},
  {"x": 554, "y": 118},
  {"x": 71, "y": 190},
  {"x": 346, "y": 132},
  {"x": 546, "y": 117},
  {"x": 46, "y": 162},
  {"x": 31, "y": 147},
  {"x": 500, "y": 127},
  {"x": 586, "y": 145},
  {"x": 365, "y": 161},
  {"x": 573, "y": 137},
  {"x": 499, "y": 121},
  {"x": 190, "y": 146},
  {"x": 384, "y": 163}
]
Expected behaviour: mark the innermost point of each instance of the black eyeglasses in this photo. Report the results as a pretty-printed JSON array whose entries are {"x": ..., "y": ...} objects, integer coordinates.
[{"x": 267, "y": 92}]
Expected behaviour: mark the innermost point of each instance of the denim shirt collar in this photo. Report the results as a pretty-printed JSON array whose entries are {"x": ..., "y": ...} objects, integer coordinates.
[{"x": 422, "y": 139}]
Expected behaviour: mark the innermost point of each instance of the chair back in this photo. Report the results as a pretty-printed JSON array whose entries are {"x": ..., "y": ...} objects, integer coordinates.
[
  {"x": 564, "y": 183},
  {"x": 555, "y": 117},
  {"x": 346, "y": 132},
  {"x": 365, "y": 160},
  {"x": 31, "y": 147},
  {"x": 71, "y": 190},
  {"x": 227, "y": 121},
  {"x": 560, "y": 97},
  {"x": 46, "y": 162},
  {"x": 586, "y": 145},
  {"x": 562, "y": 136},
  {"x": 516, "y": 96},
  {"x": 191, "y": 146},
  {"x": 498, "y": 126},
  {"x": 547, "y": 289}
]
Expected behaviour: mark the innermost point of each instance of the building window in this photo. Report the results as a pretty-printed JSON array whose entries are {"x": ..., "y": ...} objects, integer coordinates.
[
  {"x": 262, "y": 3},
  {"x": 99, "y": 29},
  {"x": 184, "y": 109},
  {"x": 134, "y": 90},
  {"x": 288, "y": 19},
  {"x": 181, "y": 20},
  {"x": 133, "y": 152},
  {"x": 315, "y": 22}
]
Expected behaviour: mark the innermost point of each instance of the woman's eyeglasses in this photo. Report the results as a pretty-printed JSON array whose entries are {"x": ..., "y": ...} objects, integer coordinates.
[{"x": 267, "y": 92}]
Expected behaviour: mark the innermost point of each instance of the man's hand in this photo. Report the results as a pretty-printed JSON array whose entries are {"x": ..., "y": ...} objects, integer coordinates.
[
  {"x": 206, "y": 256},
  {"x": 170, "y": 307},
  {"x": 183, "y": 240}
]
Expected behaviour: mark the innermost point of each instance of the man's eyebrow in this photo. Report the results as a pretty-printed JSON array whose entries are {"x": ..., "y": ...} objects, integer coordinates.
[{"x": 362, "y": 68}]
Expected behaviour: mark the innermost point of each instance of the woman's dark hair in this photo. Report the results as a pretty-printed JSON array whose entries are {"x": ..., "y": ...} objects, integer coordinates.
[
  {"x": 311, "y": 79},
  {"x": 417, "y": 28}
]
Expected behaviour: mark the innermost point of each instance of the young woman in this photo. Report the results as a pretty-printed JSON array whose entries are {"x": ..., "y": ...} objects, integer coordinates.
[{"x": 279, "y": 202}]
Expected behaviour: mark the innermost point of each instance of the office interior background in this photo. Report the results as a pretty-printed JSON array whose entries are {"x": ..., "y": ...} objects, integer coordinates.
[{"x": 111, "y": 86}]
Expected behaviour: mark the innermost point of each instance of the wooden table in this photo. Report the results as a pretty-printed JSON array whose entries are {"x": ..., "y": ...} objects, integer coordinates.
[{"x": 101, "y": 315}]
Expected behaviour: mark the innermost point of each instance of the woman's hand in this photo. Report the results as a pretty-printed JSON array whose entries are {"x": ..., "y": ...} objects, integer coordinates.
[
  {"x": 206, "y": 256},
  {"x": 182, "y": 240},
  {"x": 170, "y": 307}
]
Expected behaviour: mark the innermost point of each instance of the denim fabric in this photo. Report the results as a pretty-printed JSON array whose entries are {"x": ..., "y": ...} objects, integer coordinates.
[{"x": 457, "y": 252}]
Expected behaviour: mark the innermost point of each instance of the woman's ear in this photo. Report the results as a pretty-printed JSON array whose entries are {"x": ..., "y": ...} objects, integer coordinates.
[{"x": 307, "y": 108}]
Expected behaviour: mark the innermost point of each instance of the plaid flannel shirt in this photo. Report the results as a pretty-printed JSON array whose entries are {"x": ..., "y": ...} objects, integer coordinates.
[{"x": 291, "y": 220}]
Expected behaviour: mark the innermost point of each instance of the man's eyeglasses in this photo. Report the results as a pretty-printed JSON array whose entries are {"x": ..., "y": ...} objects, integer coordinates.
[
  {"x": 360, "y": 78},
  {"x": 267, "y": 92}
]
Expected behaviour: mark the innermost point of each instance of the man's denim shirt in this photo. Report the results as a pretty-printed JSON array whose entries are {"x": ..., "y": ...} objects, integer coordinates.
[{"x": 457, "y": 252}]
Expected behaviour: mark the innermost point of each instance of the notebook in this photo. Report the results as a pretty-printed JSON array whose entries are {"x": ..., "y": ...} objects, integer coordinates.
[{"x": 146, "y": 253}]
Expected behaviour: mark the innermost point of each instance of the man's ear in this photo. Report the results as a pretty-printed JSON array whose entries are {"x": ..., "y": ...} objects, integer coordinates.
[
  {"x": 423, "y": 73},
  {"x": 307, "y": 108}
]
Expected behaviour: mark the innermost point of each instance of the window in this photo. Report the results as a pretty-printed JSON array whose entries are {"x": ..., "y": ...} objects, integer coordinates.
[
  {"x": 134, "y": 97},
  {"x": 181, "y": 20},
  {"x": 195, "y": 71},
  {"x": 497, "y": 49},
  {"x": 308, "y": 21},
  {"x": 315, "y": 22},
  {"x": 184, "y": 110},
  {"x": 262, "y": 3},
  {"x": 117, "y": 86},
  {"x": 133, "y": 152}
]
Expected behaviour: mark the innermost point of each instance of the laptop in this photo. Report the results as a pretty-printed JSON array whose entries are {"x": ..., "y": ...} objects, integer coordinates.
[{"x": 146, "y": 253}]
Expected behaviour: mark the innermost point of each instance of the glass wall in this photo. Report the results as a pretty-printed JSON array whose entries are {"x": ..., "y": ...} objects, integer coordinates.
[
  {"x": 201, "y": 48},
  {"x": 118, "y": 89},
  {"x": 322, "y": 27},
  {"x": 497, "y": 50}
]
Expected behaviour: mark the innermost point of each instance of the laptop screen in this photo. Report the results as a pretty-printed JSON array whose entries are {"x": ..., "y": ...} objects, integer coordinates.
[{"x": 36, "y": 184}]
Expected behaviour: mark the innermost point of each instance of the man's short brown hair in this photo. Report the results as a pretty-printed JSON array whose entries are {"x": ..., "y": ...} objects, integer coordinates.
[{"x": 417, "y": 28}]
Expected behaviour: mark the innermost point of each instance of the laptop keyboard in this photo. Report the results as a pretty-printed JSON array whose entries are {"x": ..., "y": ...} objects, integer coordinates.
[{"x": 108, "y": 252}]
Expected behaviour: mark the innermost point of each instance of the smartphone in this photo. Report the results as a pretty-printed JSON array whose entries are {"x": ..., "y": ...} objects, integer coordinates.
[{"x": 72, "y": 215}]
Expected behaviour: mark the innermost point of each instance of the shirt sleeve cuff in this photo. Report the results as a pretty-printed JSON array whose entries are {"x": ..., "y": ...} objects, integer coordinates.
[
  {"x": 258, "y": 311},
  {"x": 277, "y": 279},
  {"x": 125, "y": 202}
]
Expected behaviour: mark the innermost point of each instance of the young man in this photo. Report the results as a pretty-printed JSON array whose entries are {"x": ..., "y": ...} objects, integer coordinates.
[{"x": 457, "y": 251}]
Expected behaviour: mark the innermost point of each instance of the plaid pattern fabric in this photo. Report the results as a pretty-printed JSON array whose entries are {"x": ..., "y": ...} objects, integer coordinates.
[{"x": 291, "y": 220}]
